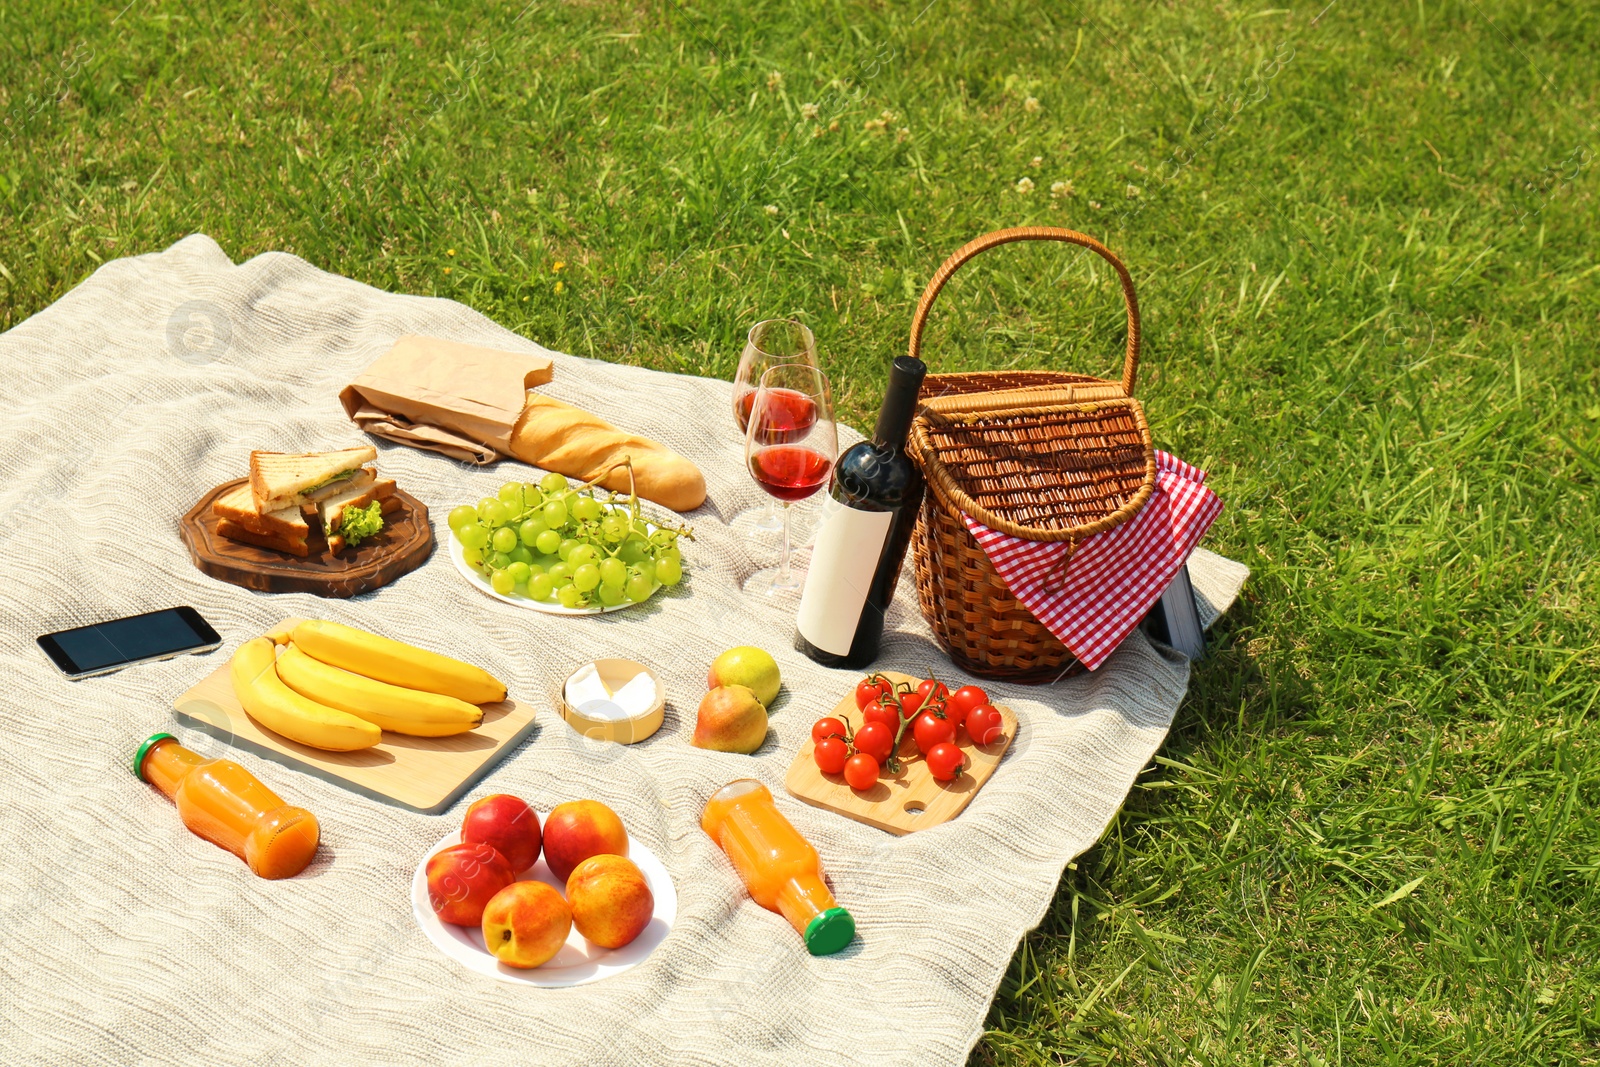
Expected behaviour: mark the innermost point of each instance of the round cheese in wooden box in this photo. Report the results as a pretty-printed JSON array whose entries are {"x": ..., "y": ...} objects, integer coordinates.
[{"x": 613, "y": 700}]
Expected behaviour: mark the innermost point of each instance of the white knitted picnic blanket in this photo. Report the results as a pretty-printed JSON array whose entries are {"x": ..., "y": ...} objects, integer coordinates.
[{"x": 124, "y": 939}]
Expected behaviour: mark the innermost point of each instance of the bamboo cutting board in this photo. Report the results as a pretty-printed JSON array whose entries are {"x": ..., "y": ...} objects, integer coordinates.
[
  {"x": 422, "y": 774},
  {"x": 916, "y": 799}
]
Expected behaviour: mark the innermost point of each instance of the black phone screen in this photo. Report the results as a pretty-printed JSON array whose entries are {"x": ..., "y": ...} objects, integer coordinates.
[{"x": 105, "y": 645}]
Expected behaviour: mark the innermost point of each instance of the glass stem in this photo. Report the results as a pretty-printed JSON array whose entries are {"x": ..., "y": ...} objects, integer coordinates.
[{"x": 783, "y": 562}]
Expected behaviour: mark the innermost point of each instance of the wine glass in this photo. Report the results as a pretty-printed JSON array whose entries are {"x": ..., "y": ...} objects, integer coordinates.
[
  {"x": 770, "y": 343},
  {"x": 790, "y": 443}
]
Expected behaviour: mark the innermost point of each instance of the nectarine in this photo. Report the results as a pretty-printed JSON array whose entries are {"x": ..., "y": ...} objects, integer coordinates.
[
  {"x": 525, "y": 924},
  {"x": 462, "y": 878},
  {"x": 507, "y": 825},
  {"x": 579, "y": 829},
  {"x": 611, "y": 901}
]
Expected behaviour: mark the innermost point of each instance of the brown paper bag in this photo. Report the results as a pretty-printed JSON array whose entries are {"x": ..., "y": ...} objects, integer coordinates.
[{"x": 445, "y": 396}]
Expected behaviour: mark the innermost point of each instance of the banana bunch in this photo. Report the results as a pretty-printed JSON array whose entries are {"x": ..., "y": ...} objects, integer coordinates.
[
  {"x": 280, "y": 709},
  {"x": 337, "y": 688}
]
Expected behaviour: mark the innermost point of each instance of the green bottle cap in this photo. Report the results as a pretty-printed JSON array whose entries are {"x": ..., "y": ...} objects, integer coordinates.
[
  {"x": 151, "y": 742},
  {"x": 830, "y": 932}
]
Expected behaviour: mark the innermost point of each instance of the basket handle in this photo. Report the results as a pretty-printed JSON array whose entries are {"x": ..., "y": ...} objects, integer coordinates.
[{"x": 1130, "y": 366}]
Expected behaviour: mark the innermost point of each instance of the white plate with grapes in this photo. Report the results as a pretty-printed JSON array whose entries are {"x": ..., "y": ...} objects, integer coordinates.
[{"x": 563, "y": 549}]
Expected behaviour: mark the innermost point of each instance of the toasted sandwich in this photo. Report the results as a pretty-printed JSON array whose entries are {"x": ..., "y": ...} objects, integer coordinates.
[
  {"x": 234, "y": 532},
  {"x": 354, "y": 506},
  {"x": 289, "y": 479},
  {"x": 284, "y": 529}
]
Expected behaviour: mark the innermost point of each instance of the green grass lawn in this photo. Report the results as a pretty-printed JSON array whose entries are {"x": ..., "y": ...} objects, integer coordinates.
[{"x": 1363, "y": 242}]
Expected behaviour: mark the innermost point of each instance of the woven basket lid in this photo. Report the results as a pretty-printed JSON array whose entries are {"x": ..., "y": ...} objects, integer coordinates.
[
  {"x": 1044, "y": 472},
  {"x": 1042, "y": 455}
]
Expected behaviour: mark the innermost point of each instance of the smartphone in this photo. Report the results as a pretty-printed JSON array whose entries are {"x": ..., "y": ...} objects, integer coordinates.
[{"x": 110, "y": 646}]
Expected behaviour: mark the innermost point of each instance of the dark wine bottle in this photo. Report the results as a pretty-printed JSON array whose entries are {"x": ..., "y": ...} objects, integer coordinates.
[{"x": 866, "y": 524}]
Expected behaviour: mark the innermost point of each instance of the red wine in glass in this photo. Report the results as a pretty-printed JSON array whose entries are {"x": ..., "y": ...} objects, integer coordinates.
[
  {"x": 791, "y": 472},
  {"x": 770, "y": 344},
  {"x": 741, "y": 409},
  {"x": 789, "y": 415},
  {"x": 791, "y": 442}
]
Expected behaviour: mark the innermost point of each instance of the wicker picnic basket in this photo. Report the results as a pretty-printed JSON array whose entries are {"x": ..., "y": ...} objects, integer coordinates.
[{"x": 1041, "y": 455}]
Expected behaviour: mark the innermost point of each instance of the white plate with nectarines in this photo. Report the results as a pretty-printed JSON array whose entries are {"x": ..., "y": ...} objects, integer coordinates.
[{"x": 604, "y": 917}]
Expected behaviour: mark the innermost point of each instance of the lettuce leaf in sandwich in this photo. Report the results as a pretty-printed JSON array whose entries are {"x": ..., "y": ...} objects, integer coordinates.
[{"x": 358, "y": 524}]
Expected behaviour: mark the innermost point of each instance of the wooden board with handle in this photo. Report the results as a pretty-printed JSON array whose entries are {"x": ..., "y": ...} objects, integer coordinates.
[
  {"x": 422, "y": 774},
  {"x": 404, "y": 544},
  {"x": 915, "y": 800}
]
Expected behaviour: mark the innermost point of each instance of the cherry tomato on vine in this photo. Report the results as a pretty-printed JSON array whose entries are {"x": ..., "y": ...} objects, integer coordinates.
[
  {"x": 861, "y": 771},
  {"x": 984, "y": 724},
  {"x": 827, "y": 727},
  {"x": 963, "y": 700},
  {"x": 930, "y": 691},
  {"x": 831, "y": 754},
  {"x": 870, "y": 689},
  {"x": 884, "y": 711},
  {"x": 930, "y": 729},
  {"x": 944, "y": 761},
  {"x": 876, "y": 740}
]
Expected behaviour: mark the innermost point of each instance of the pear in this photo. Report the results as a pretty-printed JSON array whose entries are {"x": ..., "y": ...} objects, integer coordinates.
[
  {"x": 749, "y": 666},
  {"x": 731, "y": 719}
]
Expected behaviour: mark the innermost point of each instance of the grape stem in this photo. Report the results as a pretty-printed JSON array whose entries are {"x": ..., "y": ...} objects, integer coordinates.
[{"x": 681, "y": 529}]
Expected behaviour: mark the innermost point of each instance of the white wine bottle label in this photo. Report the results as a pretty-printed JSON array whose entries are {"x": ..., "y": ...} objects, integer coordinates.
[{"x": 848, "y": 547}]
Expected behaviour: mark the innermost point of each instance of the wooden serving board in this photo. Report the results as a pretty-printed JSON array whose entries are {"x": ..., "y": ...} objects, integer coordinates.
[
  {"x": 404, "y": 544},
  {"x": 423, "y": 774},
  {"x": 916, "y": 799}
]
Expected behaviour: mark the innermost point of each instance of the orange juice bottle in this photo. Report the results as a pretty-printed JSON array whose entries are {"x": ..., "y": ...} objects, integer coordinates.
[
  {"x": 779, "y": 867},
  {"x": 228, "y": 806}
]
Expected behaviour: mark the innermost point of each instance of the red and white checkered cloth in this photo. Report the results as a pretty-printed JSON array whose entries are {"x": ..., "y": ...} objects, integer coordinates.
[{"x": 1114, "y": 577}]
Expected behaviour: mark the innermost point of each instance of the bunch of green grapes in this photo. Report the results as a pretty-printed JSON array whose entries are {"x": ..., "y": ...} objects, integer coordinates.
[{"x": 553, "y": 541}]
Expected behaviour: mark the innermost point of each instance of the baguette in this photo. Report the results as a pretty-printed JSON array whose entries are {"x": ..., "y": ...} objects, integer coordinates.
[{"x": 559, "y": 437}]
